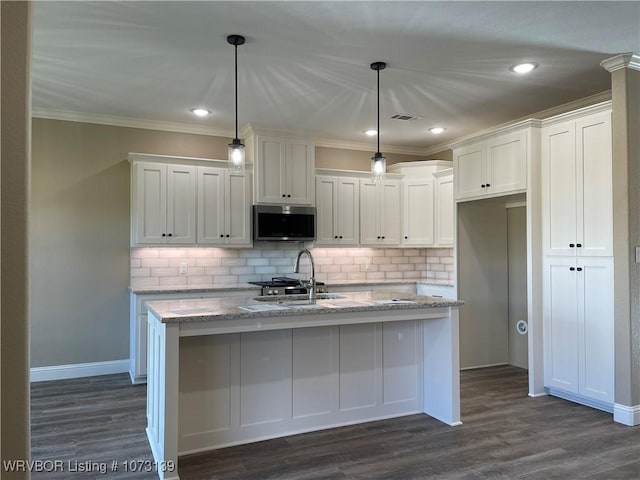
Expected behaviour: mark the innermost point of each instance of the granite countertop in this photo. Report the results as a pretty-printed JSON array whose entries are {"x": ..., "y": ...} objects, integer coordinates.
[{"x": 236, "y": 308}]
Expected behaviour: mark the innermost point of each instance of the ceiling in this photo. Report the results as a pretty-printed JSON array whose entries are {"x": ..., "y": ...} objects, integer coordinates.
[{"x": 305, "y": 65}]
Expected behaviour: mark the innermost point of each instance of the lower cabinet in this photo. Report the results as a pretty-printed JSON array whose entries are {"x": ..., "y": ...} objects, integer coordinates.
[{"x": 578, "y": 329}]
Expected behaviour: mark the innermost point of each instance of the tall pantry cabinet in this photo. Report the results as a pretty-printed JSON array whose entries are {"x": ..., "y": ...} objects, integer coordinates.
[{"x": 577, "y": 228}]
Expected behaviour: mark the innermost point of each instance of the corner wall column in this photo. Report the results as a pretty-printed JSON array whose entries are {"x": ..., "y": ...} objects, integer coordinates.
[{"x": 625, "y": 91}]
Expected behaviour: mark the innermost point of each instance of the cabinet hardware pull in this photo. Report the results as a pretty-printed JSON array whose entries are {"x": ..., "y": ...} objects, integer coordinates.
[
  {"x": 578, "y": 245},
  {"x": 483, "y": 185},
  {"x": 164, "y": 234},
  {"x": 227, "y": 235},
  {"x": 382, "y": 238},
  {"x": 289, "y": 195},
  {"x": 284, "y": 195},
  {"x": 221, "y": 235},
  {"x": 488, "y": 185},
  {"x": 171, "y": 234},
  {"x": 335, "y": 236},
  {"x": 579, "y": 269},
  {"x": 406, "y": 238},
  {"x": 571, "y": 245},
  {"x": 340, "y": 236},
  {"x": 571, "y": 268}
]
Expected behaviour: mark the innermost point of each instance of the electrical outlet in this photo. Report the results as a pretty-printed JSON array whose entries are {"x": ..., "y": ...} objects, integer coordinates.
[{"x": 183, "y": 269}]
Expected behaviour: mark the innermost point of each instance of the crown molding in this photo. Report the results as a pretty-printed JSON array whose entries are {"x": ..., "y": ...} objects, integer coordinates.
[
  {"x": 118, "y": 121},
  {"x": 624, "y": 60}
]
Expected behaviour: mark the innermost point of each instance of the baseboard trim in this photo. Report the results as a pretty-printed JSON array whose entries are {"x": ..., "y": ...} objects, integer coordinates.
[
  {"x": 625, "y": 415},
  {"x": 78, "y": 370},
  {"x": 474, "y": 367},
  {"x": 587, "y": 402}
]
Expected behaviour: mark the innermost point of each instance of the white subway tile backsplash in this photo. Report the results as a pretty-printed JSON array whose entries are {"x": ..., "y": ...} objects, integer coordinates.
[{"x": 220, "y": 266}]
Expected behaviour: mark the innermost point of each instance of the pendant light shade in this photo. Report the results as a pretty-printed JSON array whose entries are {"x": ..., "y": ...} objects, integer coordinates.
[
  {"x": 236, "y": 147},
  {"x": 378, "y": 162}
]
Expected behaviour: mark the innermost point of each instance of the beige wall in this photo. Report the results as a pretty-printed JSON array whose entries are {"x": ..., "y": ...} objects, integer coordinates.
[
  {"x": 15, "y": 34},
  {"x": 355, "y": 159},
  {"x": 79, "y": 236}
]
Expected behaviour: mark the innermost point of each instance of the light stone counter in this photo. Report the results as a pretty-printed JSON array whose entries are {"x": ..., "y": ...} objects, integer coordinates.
[{"x": 221, "y": 374}]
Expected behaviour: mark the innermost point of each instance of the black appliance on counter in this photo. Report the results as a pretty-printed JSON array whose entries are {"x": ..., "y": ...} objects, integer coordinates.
[{"x": 286, "y": 286}]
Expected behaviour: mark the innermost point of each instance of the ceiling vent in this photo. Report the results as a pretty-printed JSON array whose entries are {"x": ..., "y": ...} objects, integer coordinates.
[{"x": 405, "y": 117}]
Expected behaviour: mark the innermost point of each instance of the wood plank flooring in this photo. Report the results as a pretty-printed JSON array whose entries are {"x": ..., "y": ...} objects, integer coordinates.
[{"x": 505, "y": 435}]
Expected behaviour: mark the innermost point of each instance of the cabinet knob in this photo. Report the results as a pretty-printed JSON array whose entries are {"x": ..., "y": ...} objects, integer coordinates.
[
  {"x": 289, "y": 195},
  {"x": 227, "y": 235},
  {"x": 164, "y": 234},
  {"x": 579, "y": 269},
  {"x": 335, "y": 236},
  {"x": 221, "y": 236},
  {"x": 382, "y": 237},
  {"x": 571, "y": 268},
  {"x": 578, "y": 245},
  {"x": 571, "y": 245},
  {"x": 406, "y": 238},
  {"x": 284, "y": 195},
  {"x": 340, "y": 236},
  {"x": 171, "y": 234},
  {"x": 378, "y": 237},
  {"x": 488, "y": 185},
  {"x": 482, "y": 186}
]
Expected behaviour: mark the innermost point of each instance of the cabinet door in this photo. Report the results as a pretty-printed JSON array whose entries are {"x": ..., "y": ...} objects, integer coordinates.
[
  {"x": 211, "y": 205},
  {"x": 237, "y": 201},
  {"x": 269, "y": 170},
  {"x": 418, "y": 210},
  {"x": 560, "y": 300},
  {"x": 347, "y": 211},
  {"x": 151, "y": 203},
  {"x": 559, "y": 189},
  {"x": 469, "y": 164},
  {"x": 299, "y": 173},
  {"x": 444, "y": 206},
  {"x": 595, "y": 193},
  {"x": 326, "y": 224},
  {"x": 506, "y": 164},
  {"x": 389, "y": 206},
  {"x": 369, "y": 232},
  {"x": 595, "y": 310},
  {"x": 181, "y": 204}
]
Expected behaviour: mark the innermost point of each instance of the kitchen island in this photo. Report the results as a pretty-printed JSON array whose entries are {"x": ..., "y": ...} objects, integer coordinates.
[{"x": 228, "y": 371}]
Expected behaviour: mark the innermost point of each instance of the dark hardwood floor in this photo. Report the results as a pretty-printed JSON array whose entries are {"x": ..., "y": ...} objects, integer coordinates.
[{"x": 505, "y": 435}]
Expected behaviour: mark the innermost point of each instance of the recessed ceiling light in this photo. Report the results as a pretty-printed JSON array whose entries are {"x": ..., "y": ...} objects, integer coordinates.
[
  {"x": 437, "y": 130},
  {"x": 523, "y": 67},
  {"x": 372, "y": 132},
  {"x": 201, "y": 112}
]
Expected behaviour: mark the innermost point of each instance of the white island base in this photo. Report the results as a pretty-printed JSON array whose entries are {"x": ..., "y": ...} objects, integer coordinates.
[{"x": 218, "y": 383}]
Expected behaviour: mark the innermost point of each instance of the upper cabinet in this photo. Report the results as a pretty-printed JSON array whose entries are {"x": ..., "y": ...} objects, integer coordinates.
[
  {"x": 379, "y": 212},
  {"x": 492, "y": 166},
  {"x": 338, "y": 202},
  {"x": 163, "y": 204},
  {"x": 188, "y": 201},
  {"x": 444, "y": 206},
  {"x": 284, "y": 169},
  {"x": 224, "y": 207},
  {"x": 577, "y": 186},
  {"x": 427, "y": 203}
]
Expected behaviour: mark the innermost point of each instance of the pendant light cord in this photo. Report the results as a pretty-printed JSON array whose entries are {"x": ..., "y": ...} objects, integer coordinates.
[
  {"x": 236, "y": 82},
  {"x": 378, "y": 110}
]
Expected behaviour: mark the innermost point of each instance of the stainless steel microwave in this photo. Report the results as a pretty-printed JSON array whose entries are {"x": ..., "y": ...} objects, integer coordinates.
[{"x": 288, "y": 223}]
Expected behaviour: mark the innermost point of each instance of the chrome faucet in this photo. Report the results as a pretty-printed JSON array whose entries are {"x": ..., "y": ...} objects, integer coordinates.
[{"x": 311, "y": 283}]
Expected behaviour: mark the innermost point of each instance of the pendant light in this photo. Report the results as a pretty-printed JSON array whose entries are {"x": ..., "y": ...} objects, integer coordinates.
[
  {"x": 236, "y": 147},
  {"x": 378, "y": 162}
]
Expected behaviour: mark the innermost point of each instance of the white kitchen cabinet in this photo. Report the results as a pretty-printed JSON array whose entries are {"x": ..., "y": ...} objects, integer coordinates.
[
  {"x": 578, "y": 328},
  {"x": 337, "y": 204},
  {"x": 418, "y": 212},
  {"x": 224, "y": 207},
  {"x": 284, "y": 170},
  {"x": 494, "y": 166},
  {"x": 163, "y": 204},
  {"x": 577, "y": 186},
  {"x": 444, "y": 206},
  {"x": 379, "y": 212}
]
